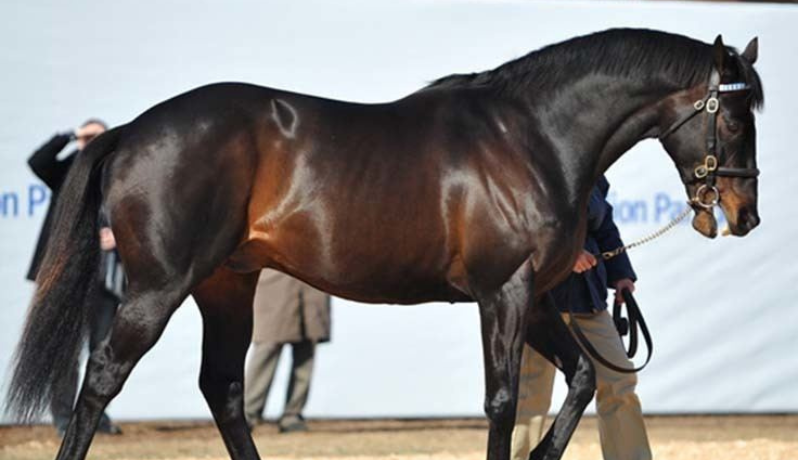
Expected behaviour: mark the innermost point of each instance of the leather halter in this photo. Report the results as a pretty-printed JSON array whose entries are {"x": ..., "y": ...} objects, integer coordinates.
[{"x": 707, "y": 194}]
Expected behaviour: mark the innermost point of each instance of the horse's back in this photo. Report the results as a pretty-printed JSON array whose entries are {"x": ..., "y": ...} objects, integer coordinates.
[
  {"x": 348, "y": 197},
  {"x": 383, "y": 202},
  {"x": 377, "y": 202}
]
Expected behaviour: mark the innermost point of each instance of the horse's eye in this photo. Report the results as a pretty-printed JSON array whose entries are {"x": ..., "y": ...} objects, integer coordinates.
[{"x": 732, "y": 126}]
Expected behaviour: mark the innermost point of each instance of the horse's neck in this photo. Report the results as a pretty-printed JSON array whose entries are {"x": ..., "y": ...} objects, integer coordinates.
[{"x": 592, "y": 123}]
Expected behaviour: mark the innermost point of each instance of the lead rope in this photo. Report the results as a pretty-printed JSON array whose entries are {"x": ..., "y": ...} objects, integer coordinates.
[
  {"x": 635, "y": 316},
  {"x": 607, "y": 255}
]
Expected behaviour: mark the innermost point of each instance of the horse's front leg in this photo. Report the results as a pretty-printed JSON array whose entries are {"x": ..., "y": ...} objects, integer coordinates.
[
  {"x": 503, "y": 321},
  {"x": 549, "y": 335}
]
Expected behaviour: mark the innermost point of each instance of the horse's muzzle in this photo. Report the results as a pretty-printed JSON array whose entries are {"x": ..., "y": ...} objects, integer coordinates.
[{"x": 747, "y": 220}]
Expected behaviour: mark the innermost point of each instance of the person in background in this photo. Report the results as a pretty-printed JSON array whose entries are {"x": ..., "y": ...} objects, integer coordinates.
[
  {"x": 620, "y": 419},
  {"x": 52, "y": 170},
  {"x": 287, "y": 311}
]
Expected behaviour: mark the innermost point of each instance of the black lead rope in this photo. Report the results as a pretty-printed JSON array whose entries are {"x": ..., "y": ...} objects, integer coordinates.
[{"x": 634, "y": 321}]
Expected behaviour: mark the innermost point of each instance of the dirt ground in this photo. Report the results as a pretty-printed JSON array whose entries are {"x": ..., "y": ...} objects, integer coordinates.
[{"x": 675, "y": 438}]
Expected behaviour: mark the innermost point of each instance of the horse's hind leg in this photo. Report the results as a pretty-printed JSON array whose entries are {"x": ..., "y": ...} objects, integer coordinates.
[
  {"x": 549, "y": 335},
  {"x": 139, "y": 323},
  {"x": 225, "y": 300},
  {"x": 502, "y": 317}
]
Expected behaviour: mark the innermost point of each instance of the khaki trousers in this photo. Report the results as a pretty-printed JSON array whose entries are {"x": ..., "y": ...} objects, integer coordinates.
[
  {"x": 620, "y": 419},
  {"x": 261, "y": 368}
]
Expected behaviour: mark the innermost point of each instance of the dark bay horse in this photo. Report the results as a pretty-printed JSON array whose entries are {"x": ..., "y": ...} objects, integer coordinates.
[{"x": 471, "y": 189}]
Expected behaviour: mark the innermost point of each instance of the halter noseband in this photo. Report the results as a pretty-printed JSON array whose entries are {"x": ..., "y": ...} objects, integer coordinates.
[{"x": 707, "y": 195}]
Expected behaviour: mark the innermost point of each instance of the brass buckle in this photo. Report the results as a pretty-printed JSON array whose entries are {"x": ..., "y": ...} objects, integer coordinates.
[
  {"x": 699, "y": 104},
  {"x": 702, "y": 192},
  {"x": 713, "y": 105},
  {"x": 710, "y": 164}
]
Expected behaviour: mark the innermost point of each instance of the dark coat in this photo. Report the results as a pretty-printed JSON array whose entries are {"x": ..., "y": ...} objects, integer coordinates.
[
  {"x": 587, "y": 292},
  {"x": 52, "y": 171}
]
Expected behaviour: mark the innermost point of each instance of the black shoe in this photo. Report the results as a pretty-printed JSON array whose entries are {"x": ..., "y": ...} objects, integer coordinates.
[{"x": 292, "y": 425}]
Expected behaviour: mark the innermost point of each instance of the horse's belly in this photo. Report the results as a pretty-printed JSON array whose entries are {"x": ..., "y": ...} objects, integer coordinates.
[
  {"x": 377, "y": 279},
  {"x": 442, "y": 292},
  {"x": 352, "y": 267}
]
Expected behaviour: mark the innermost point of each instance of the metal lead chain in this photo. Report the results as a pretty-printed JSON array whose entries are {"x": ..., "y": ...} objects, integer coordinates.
[{"x": 648, "y": 238}]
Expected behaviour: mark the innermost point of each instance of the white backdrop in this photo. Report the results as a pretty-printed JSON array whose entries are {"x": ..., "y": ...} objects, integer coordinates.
[{"x": 723, "y": 312}]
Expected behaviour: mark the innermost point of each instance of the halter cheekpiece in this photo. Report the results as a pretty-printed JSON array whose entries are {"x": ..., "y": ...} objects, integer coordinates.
[{"x": 707, "y": 195}]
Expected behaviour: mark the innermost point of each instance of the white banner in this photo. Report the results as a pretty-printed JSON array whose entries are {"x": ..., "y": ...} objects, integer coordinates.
[{"x": 723, "y": 312}]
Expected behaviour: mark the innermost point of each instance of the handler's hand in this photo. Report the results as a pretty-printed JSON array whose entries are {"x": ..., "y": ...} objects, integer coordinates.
[
  {"x": 584, "y": 262},
  {"x": 622, "y": 284}
]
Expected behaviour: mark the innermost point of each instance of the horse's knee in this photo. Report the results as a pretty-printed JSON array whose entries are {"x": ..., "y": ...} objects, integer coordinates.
[{"x": 500, "y": 406}]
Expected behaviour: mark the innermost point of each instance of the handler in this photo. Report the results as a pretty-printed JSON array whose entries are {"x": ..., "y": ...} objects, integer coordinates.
[{"x": 621, "y": 427}]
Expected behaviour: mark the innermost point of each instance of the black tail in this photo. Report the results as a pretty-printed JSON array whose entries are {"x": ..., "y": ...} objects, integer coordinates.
[{"x": 56, "y": 324}]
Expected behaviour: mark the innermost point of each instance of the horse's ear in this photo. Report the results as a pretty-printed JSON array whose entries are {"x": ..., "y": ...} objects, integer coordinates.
[
  {"x": 752, "y": 50},
  {"x": 719, "y": 53}
]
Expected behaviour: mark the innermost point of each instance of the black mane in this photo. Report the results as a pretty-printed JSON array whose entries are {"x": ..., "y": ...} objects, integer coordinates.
[{"x": 666, "y": 59}]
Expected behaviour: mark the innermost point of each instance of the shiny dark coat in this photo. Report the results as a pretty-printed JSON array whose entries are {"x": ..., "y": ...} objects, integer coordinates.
[{"x": 474, "y": 188}]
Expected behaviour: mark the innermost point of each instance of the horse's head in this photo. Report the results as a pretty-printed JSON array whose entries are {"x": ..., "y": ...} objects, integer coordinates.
[{"x": 709, "y": 133}]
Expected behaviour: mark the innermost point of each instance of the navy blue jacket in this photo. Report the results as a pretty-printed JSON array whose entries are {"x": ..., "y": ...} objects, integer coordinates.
[{"x": 587, "y": 292}]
